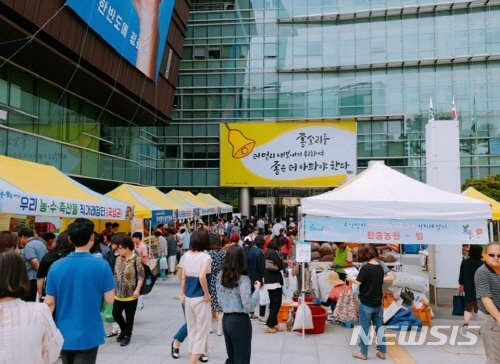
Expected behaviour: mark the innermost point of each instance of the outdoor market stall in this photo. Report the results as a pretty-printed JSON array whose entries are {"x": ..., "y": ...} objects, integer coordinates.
[
  {"x": 495, "y": 205},
  {"x": 223, "y": 207},
  {"x": 381, "y": 205},
  {"x": 384, "y": 206},
  {"x": 151, "y": 204},
  {"x": 28, "y": 188},
  {"x": 495, "y": 210},
  {"x": 186, "y": 197}
]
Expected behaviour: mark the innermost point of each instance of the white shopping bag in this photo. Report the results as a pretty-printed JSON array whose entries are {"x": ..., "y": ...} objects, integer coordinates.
[
  {"x": 303, "y": 318},
  {"x": 263, "y": 296}
]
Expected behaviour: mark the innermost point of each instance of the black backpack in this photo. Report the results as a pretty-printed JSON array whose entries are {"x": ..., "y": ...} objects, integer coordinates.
[{"x": 149, "y": 279}]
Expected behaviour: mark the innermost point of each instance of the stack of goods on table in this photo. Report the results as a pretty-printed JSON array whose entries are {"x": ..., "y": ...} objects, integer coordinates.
[{"x": 406, "y": 305}]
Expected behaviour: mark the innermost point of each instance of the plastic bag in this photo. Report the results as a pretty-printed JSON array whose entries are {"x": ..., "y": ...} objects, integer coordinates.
[
  {"x": 264, "y": 297},
  {"x": 411, "y": 281},
  {"x": 163, "y": 262},
  {"x": 292, "y": 285},
  {"x": 303, "y": 318},
  {"x": 284, "y": 287},
  {"x": 390, "y": 311},
  {"x": 107, "y": 313}
]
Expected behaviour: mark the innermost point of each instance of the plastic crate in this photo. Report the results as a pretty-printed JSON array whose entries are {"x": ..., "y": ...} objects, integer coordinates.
[
  {"x": 424, "y": 314},
  {"x": 284, "y": 312},
  {"x": 387, "y": 299}
]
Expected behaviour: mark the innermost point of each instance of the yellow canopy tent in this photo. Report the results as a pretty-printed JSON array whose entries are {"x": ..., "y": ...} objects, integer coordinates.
[
  {"x": 153, "y": 195},
  {"x": 29, "y": 188},
  {"x": 143, "y": 206},
  {"x": 223, "y": 207},
  {"x": 204, "y": 208},
  {"x": 495, "y": 206}
]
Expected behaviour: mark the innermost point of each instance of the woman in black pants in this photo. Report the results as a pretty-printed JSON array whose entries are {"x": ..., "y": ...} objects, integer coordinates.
[
  {"x": 273, "y": 280},
  {"x": 129, "y": 276},
  {"x": 233, "y": 292}
]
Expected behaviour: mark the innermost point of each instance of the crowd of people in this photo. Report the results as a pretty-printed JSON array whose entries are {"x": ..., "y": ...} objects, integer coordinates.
[
  {"x": 221, "y": 275},
  {"x": 56, "y": 291}
]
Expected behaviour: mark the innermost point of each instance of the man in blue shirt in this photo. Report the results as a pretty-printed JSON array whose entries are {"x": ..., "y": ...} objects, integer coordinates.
[
  {"x": 77, "y": 285},
  {"x": 33, "y": 251}
]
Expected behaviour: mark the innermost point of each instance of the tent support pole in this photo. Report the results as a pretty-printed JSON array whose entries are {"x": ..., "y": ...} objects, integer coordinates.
[
  {"x": 150, "y": 222},
  {"x": 491, "y": 231},
  {"x": 401, "y": 257},
  {"x": 303, "y": 299}
]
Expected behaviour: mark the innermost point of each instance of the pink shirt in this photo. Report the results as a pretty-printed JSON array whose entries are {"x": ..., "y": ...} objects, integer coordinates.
[{"x": 142, "y": 249}]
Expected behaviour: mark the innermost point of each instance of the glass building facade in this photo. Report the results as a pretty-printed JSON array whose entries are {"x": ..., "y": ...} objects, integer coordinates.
[
  {"x": 43, "y": 123},
  {"x": 376, "y": 61}
]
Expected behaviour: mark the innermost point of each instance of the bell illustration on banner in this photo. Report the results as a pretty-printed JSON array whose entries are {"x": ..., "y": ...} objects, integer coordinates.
[{"x": 242, "y": 146}]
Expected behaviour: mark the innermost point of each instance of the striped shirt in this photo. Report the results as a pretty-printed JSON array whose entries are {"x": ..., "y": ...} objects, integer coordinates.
[{"x": 487, "y": 285}]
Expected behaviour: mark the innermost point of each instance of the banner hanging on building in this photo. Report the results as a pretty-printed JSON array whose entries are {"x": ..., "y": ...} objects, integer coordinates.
[
  {"x": 295, "y": 153},
  {"x": 392, "y": 231},
  {"x": 137, "y": 30}
]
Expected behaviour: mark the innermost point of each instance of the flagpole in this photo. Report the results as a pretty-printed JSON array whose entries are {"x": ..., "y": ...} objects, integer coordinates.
[
  {"x": 474, "y": 120},
  {"x": 477, "y": 155}
]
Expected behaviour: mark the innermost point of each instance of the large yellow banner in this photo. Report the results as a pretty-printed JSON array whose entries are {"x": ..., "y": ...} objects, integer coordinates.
[{"x": 287, "y": 153}]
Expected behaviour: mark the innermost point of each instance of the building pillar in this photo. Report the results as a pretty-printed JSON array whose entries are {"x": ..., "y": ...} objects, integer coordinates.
[
  {"x": 443, "y": 172},
  {"x": 244, "y": 204}
]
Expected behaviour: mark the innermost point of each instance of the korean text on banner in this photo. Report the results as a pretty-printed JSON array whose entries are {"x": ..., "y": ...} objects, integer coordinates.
[
  {"x": 139, "y": 34},
  {"x": 392, "y": 231},
  {"x": 295, "y": 153},
  {"x": 18, "y": 202},
  {"x": 162, "y": 217}
]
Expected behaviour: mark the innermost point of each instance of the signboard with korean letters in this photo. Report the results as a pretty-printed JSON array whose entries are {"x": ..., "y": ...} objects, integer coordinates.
[
  {"x": 165, "y": 217},
  {"x": 15, "y": 201},
  {"x": 287, "y": 153},
  {"x": 394, "y": 231}
]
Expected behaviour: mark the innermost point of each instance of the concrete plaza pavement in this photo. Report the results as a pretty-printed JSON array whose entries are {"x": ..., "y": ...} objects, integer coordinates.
[{"x": 162, "y": 316}]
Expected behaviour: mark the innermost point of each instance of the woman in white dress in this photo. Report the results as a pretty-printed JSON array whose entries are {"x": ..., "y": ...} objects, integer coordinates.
[
  {"x": 195, "y": 294},
  {"x": 28, "y": 334}
]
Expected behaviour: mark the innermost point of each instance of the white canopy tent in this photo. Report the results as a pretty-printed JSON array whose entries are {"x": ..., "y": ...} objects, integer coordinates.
[{"x": 384, "y": 206}]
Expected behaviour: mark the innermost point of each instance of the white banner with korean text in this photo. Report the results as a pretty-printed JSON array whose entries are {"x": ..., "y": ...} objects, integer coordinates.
[
  {"x": 15, "y": 201},
  {"x": 393, "y": 231}
]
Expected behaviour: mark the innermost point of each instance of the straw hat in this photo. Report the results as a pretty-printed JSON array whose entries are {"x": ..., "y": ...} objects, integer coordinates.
[{"x": 333, "y": 279}]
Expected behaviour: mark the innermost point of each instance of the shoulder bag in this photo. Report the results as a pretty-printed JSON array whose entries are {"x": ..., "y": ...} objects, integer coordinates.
[{"x": 271, "y": 265}]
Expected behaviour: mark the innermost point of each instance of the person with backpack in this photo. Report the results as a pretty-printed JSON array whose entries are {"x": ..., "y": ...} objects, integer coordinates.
[{"x": 129, "y": 277}]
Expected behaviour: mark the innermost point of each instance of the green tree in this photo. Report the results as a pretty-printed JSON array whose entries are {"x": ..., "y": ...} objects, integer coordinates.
[{"x": 489, "y": 185}]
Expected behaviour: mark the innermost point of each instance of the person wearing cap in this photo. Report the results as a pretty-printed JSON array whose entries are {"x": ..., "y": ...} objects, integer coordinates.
[{"x": 332, "y": 297}]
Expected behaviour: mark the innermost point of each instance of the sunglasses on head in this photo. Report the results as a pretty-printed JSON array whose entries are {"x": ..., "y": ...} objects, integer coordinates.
[{"x": 491, "y": 255}]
